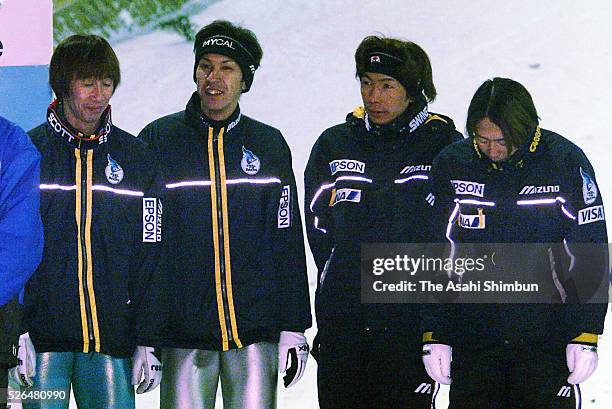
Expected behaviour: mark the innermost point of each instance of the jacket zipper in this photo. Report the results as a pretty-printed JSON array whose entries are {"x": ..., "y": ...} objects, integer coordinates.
[
  {"x": 226, "y": 309},
  {"x": 84, "y": 260}
]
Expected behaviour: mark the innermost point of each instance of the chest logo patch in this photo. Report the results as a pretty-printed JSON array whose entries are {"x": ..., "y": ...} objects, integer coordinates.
[
  {"x": 472, "y": 221},
  {"x": 114, "y": 172},
  {"x": 345, "y": 195},
  {"x": 250, "y": 163},
  {"x": 463, "y": 187}
]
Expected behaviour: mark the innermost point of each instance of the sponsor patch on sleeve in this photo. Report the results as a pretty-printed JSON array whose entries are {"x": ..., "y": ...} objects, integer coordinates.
[
  {"x": 151, "y": 220},
  {"x": 591, "y": 214},
  {"x": 589, "y": 188},
  {"x": 284, "y": 208}
]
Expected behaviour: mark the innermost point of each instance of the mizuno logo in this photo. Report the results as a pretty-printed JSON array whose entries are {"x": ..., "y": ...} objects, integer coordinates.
[
  {"x": 415, "y": 168},
  {"x": 431, "y": 199},
  {"x": 423, "y": 388},
  {"x": 565, "y": 392},
  {"x": 534, "y": 190}
]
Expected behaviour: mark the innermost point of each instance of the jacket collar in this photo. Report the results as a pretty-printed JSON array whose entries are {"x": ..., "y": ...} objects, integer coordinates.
[
  {"x": 408, "y": 122},
  {"x": 73, "y": 137},
  {"x": 196, "y": 116},
  {"x": 525, "y": 153}
]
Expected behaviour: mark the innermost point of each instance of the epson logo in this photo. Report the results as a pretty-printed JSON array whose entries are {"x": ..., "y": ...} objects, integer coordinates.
[
  {"x": 218, "y": 42},
  {"x": 284, "y": 210},
  {"x": 534, "y": 190},
  {"x": 151, "y": 220},
  {"x": 463, "y": 187},
  {"x": 415, "y": 168},
  {"x": 346, "y": 165},
  {"x": 591, "y": 214},
  {"x": 345, "y": 195},
  {"x": 419, "y": 119}
]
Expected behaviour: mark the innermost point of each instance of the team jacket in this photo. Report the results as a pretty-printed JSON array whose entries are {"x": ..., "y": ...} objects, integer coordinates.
[
  {"x": 21, "y": 235},
  {"x": 545, "y": 193},
  {"x": 236, "y": 270},
  {"x": 102, "y": 223},
  {"x": 367, "y": 184}
]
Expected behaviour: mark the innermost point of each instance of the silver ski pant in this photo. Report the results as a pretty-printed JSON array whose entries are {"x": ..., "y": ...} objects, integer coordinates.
[
  {"x": 98, "y": 381},
  {"x": 248, "y": 377}
]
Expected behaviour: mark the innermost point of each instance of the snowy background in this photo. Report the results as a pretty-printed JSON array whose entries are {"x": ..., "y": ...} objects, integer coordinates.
[{"x": 559, "y": 50}]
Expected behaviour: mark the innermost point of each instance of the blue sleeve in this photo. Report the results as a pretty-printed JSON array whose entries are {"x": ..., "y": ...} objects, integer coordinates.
[{"x": 21, "y": 232}]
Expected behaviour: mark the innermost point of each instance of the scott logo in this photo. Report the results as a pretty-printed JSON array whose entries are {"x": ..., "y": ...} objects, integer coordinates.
[
  {"x": 591, "y": 214},
  {"x": 463, "y": 187},
  {"x": 346, "y": 165}
]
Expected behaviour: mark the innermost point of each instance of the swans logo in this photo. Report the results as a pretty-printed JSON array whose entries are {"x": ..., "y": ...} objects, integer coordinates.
[
  {"x": 589, "y": 188},
  {"x": 250, "y": 163},
  {"x": 114, "y": 172}
]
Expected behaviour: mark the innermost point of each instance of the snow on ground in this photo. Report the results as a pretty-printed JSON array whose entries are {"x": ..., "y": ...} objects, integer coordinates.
[{"x": 558, "y": 50}]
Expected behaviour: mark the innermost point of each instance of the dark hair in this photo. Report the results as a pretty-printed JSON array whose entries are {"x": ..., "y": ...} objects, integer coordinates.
[
  {"x": 412, "y": 69},
  {"x": 247, "y": 52},
  {"x": 82, "y": 56},
  {"x": 508, "y": 105}
]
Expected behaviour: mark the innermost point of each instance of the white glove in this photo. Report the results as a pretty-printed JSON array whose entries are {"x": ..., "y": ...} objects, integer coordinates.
[
  {"x": 437, "y": 360},
  {"x": 581, "y": 362},
  {"x": 292, "y": 356},
  {"x": 26, "y": 362},
  {"x": 146, "y": 363}
]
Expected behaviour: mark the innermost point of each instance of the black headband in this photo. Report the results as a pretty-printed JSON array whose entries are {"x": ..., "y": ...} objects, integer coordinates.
[{"x": 224, "y": 45}]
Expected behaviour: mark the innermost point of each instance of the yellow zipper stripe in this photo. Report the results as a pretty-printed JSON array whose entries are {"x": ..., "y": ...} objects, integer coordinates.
[
  {"x": 226, "y": 246},
  {"x": 215, "y": 232},
  {"x": 77, "y": 153},
  {"x": 90, "y": 284}
]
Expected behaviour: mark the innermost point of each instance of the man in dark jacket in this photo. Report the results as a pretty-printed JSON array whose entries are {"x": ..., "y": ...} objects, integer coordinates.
[
  {"x": 232, "y": 302},
  {"x": 21, "y": 235},
  {"x": 534, "y": 192},
  {"x": 366, "y": 182},
  {"x": 101, "y": 218}
]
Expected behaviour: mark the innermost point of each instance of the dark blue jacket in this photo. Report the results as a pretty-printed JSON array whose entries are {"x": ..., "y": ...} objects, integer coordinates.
[
  {"x": 21, "y": 235},
  {"x": 368, "y": 184},
  {"x": 546, "y": 195},
  {"x": 235, "y": 271},
  {"x": 101, "y": 216}
]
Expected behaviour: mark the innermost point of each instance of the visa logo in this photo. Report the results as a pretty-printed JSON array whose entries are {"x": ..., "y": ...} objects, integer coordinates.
[
  {"x": 591, "y": 214},
  {"x": 472, "y": 221}
]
